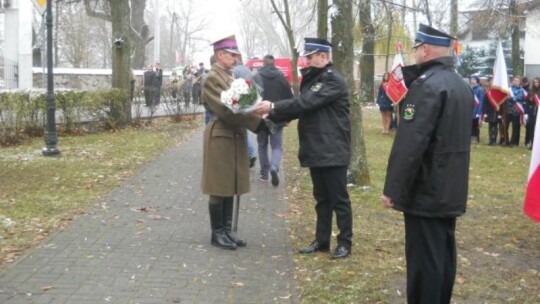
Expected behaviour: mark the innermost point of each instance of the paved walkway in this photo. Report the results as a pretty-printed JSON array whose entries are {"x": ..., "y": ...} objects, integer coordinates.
[{"x": 149, "y": 242}]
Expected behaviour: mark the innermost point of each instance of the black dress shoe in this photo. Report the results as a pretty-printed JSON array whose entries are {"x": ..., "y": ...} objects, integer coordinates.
[
  {"x": 314, "y": 247},
  {"x": 341, "y": 252},
  {"x": 235, "y": 239}
]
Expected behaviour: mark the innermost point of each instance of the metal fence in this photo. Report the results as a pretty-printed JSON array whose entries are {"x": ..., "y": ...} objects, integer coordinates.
[{"x": 9, "y": 74}]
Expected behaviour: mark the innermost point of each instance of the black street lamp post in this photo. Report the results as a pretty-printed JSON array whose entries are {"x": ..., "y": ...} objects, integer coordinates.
[{"x": 50, "y": 133}]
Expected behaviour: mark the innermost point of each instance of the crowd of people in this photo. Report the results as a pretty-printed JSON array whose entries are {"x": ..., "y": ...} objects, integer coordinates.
[
  {"x": 428, "y": 167},
  {"x": 518, "y": 111},
  {"x": 186, "y": 87}
]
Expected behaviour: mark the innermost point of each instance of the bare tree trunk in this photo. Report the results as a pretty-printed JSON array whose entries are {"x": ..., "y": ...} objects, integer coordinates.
[
  {"x": 322, "y": 19},
  {"x": 342, "y": 39},
  {"x": 286, "y": 22},
  {"x": 454, "y": 18},
  {"x": 389, "y": 39},
  {"x": 367, "y": 61},
  {"x": 137, "y": 22},
  {"x": 517, "y": 67},
  {"x": 121, "y": 52}
]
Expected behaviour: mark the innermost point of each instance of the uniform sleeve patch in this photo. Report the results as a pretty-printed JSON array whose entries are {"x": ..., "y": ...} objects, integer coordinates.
[
  {"x": 317, "y": 87},
  {"x": 409, "y": 112}
]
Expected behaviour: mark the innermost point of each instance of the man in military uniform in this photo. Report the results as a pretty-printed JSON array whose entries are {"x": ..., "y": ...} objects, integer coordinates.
[
  {"x": 324, "y": 130},
  {"x": 225, "y": 156},
  {"x": 428, "y": 168}
]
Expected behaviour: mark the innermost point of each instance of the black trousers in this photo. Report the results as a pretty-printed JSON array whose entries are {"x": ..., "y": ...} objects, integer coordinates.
[
  {"x": 330, "y": 192},
  {"x": 475, "y": 131},
  {"x": 493, "y": 128},
  {"x": 529, "y": 129},
  {"x": 514, "y": 120},
  {"x": 430, "y": 250}
]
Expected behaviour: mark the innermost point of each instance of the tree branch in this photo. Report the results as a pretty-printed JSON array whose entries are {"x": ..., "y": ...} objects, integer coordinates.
[{"x": 93, "y": 13}]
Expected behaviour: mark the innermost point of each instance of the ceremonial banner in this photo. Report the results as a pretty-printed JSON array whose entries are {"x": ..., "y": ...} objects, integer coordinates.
[
  {"x": 396, "y": 89},
  {"x": 499, "y": 91}
]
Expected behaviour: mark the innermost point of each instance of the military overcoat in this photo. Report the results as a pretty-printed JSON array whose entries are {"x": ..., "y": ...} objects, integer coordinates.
[{"x": 225, "y": 154}]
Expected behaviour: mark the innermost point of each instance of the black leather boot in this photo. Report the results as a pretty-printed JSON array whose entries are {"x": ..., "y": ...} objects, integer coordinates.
[
  {"x": 228, "y": 215},
  {"x": 219, "y": 234}
]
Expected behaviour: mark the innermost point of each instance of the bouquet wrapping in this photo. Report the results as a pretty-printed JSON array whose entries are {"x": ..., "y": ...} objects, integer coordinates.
[{"x": 242, "y": 96}]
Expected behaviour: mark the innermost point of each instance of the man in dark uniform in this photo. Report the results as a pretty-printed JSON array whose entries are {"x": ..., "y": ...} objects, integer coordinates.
[
  {"x": 324, "y": 131},
  {"x": 428, "y": 168}
]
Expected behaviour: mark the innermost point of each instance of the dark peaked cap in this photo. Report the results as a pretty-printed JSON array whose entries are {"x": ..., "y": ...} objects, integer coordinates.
[
  {"x": 314, "y": 45},
  {"x": 428, "y": 35}
]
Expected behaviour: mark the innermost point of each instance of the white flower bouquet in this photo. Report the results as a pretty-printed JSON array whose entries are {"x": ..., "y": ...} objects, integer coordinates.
[{"x": 242, "y": 96}]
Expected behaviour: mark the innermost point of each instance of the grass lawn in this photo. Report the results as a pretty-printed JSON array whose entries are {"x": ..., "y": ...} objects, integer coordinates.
[
  {"x": 38, "y": 195},
  {"x": 498, "y": 246}
]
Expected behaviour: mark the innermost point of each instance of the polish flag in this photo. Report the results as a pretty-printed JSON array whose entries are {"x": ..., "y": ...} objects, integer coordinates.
[
  {"x": 532, "y": 196},
  {"x": 499, "y": 91}
]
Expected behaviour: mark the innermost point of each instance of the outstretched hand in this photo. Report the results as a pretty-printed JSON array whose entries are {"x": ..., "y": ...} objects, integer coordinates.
[{"x": 262, "y": 108}]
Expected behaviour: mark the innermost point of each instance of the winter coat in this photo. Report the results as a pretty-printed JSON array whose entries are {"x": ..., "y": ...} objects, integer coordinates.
[
  {"x": 322, "y": 110},
  {"x": 530, "y": 106},
  {"x": 428, "y": 167},
  {"x": 274, "y": 85},
  {"x": 479, "y": 93},
  {"x": 225, "y": 154},
  {"x": 511, "y": 103},
  {"x": 148, "y": 78},
  {"x": 385, "y": 104}
]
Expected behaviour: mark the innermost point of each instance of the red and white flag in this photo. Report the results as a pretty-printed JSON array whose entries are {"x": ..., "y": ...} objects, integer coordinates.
[
  {"x": 536, "y": 99},
  {"x": 499, "y": 91},
  {"x": 396, "y": 89},
  {"x": 532, "y": 195}
]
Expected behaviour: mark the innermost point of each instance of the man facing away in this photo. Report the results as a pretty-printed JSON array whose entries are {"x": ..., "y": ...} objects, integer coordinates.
[
  {"x": 225, "y": 157},
  {"x": 275, "y": 87},
  {"x": 428, "y": 168},
  {"x": 324, "y": 132},
  {"x": 240, "y": 70}
]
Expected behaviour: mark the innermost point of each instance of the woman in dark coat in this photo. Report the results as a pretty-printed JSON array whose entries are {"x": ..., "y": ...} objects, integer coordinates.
[{"x": 385, "y": 104}]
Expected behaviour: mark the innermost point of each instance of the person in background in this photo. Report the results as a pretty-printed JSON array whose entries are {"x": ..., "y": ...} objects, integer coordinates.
[
  {"x": 512, "y": 113},
  {"x": 187, "y": 86},
  {"x": 157, "y": 83},
  {"x": 207, "y": 112},
  {"x": 324, "y": 132},
  {"x": 148, "y": 85},
  {"x": 242, "y": 71},
  {"x": 531, "y": 108},
  {"x": 474, "y": 82},
  {"x": 225, "y": 160},
  {"x": 525, "y": 84},
  {"x": 492, "y": 116},
  {"x": 175, "y": 84},
  {"x": 275, "y": 87},
  {"x": 385, "y": 104},
  {"x": 428, "y": 169},
  {"x": 132, "y": 86}
]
